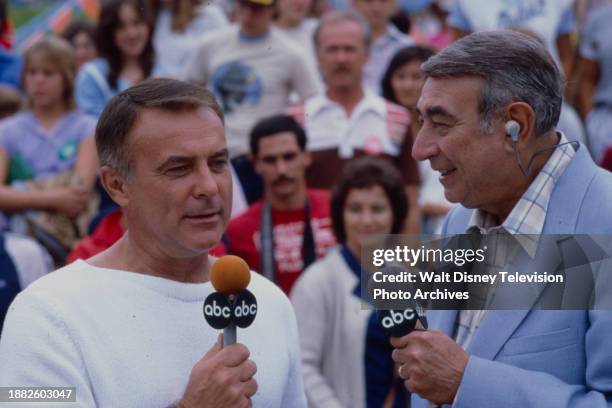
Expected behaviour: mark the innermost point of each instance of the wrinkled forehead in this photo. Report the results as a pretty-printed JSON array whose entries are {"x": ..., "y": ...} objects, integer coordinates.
[
  {"x": 159, "y": 132},
  {"x": 339, "y": 32},
  {"x": 460, "y": 95}
]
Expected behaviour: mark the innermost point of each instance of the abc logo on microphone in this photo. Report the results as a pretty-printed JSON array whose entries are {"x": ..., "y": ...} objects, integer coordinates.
[
  {"x": 220, "y": 311},
  {"x": 398, "y": 323}
]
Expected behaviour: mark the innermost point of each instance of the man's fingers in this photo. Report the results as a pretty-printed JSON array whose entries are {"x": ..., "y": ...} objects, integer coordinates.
[
  {"x": 234, "y": 355},
  {"x": 410, "y": 386},
  {"x": 400, "y": 342},
  {"x": 248, "y": 370},
  {"x": 249, "y": 387},
  {"x": 215, "y": 348},
  {"x": 399, "y": 356}
]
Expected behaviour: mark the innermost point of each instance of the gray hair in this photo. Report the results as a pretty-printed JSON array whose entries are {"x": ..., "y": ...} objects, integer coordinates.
[
  {"x": 514, "y": 67},
  {"x": 121, "y": 112},
  {"x": 346, "y": 15}
]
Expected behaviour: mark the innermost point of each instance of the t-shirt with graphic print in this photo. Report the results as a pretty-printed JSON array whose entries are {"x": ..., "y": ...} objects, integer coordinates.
[
  {"x": 252, "y": 78},
  {"x": 243, "y": 234}
]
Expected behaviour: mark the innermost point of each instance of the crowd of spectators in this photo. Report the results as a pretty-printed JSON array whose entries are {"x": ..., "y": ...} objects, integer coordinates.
[{"x": 308, "y": 87}]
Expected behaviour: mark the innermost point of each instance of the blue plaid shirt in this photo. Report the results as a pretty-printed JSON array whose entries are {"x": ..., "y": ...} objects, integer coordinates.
[{"x": 526, "y": 218}]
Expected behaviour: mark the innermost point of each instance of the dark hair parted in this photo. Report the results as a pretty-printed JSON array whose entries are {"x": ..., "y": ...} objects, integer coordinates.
[
  {"x": 108, "y": 23},
  {"x": 514, "y": 68},
  {"x": 274, "y": 125},
  {"x": 363, "y": 173},
  {"x": 402, "y": 57},
  {"x": 122, "y": 111},
  {"x": 77, "y": 27}
]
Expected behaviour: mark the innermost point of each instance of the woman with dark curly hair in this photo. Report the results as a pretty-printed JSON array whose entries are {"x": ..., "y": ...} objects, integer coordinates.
[
  {"x": 346, "y": 356},
  {"x": 125, "y": 45}
]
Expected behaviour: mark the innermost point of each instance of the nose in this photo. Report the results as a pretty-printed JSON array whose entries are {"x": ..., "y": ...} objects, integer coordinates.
[
  {"x": 38, "y": 77},
  {"x": 205, "y": 184},
  {"x": 367, "y": 217},
  {"x": 425, "y": 146},
  {"x": 133, "y": 30},
  {"x": 281, "y": 166}
]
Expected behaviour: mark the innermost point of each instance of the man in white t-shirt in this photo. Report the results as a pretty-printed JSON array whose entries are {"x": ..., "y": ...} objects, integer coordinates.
[
  {"x": 253, "y": 69},
  {"x": 126, "y": 328}
]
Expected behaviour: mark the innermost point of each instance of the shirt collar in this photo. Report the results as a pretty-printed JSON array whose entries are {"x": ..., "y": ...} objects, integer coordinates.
[
  {"x": 526, "y": 220},
  {"x": 369, "y": 102}
]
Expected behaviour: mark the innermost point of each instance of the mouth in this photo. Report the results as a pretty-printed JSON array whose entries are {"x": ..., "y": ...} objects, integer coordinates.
[
  {"x": 282, "y": 182},
  {"x": 204, "y": 217},
  {"x": 445, "y": 174}
]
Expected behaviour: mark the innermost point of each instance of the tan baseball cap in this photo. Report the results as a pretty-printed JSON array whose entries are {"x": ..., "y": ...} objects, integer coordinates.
[{"x": 259, "y": 2}]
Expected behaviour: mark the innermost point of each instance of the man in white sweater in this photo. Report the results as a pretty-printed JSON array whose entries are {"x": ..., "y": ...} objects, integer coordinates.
[{"x": 126, "y": 327}]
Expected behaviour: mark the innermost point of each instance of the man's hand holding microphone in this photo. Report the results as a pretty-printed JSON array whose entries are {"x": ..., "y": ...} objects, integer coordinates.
[
  {"x": 224, "y": 377},
  {"x": 430, "y": 363}
]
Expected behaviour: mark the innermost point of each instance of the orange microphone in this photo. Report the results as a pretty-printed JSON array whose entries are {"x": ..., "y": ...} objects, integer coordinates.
[
  {"x": 232, "y": 304},
  {"x": 230, "y": 274}
]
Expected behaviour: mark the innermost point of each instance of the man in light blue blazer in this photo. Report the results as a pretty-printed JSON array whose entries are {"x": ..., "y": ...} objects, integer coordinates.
[{"x": 489, "y": 109}]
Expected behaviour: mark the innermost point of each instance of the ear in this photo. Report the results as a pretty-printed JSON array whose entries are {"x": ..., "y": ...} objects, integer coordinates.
[
  {"x": 115, "y": 185},
  {"x": 524, "y": 115}
]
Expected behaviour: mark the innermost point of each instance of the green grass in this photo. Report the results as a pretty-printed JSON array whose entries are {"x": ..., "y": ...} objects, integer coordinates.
[{"x": 22, "y": 14}]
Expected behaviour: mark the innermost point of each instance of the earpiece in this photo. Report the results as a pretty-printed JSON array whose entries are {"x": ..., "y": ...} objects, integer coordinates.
[{"x": 513, "y": 129}]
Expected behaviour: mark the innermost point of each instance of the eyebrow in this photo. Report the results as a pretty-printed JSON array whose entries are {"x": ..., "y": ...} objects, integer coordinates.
[
  {"x": 437, "y": 111},
  {"x": 174, "y": 160},
  {"x": 221, "y": 154}
]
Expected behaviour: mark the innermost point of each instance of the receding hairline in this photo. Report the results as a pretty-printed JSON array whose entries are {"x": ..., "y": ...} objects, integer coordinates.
[
  {"x": 185, "y": 110},
  {"x": 333, "y": 23}
]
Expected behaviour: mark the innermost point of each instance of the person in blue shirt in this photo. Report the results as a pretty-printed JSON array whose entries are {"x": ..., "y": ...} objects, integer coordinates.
[{"x": 126, "y": 55}]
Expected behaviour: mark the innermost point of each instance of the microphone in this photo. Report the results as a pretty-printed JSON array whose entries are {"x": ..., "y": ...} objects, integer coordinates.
[
  {"x": 399, "y": 322},
  {"x": 232, "y": 304}
]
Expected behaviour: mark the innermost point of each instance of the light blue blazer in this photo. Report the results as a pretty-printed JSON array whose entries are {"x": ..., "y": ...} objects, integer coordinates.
[{"x": 543, "y": 358}]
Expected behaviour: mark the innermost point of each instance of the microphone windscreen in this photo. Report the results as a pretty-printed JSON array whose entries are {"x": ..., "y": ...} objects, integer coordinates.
[{"x": 230, "y": 274}]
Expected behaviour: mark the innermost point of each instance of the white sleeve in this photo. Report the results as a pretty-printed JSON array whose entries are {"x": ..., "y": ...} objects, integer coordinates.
[
  {"x": 304, "y": 80},
  {"x": 31, "y": 260},
  {"x": 198, "y": 70},
  {"x": 294, "y": 392},
  {"x": 36, "y": 350},
  {"x": 311, "y": 316}
]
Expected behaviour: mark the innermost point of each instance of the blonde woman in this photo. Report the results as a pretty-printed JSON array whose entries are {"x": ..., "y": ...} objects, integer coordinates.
[{"x": 48, "y": 159}]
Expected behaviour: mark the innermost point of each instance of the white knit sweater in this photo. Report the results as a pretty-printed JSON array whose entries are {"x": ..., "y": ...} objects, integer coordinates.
[{"x": 130, "y": 340}]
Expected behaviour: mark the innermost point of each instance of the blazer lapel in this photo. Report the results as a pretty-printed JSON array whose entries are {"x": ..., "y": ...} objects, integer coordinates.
[{"x": 497, "y": 326}]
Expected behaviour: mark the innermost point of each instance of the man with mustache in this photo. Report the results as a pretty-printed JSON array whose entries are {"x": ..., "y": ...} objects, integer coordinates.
[
  {"x": 282, "y": 234},
  {"x": 348, "y": 120},
  {"x": 125, "y": 328}
]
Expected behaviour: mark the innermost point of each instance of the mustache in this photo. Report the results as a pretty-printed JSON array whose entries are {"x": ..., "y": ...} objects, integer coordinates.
[{"x": 281, "y": 179}]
